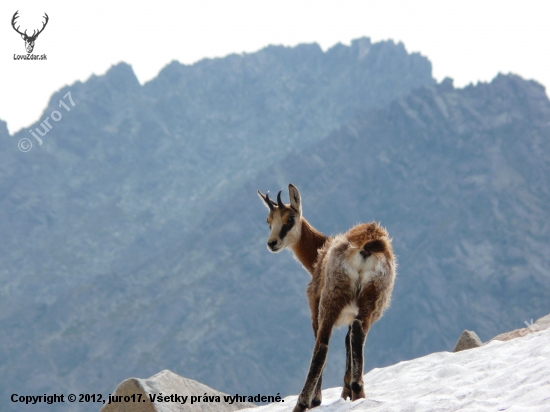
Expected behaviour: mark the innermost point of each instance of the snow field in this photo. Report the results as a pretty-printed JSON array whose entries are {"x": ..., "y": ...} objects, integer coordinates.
[{"x": 500, "y": 376}]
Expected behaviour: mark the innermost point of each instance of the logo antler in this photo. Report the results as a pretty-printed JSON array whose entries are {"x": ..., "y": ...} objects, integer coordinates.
[
  {"x": 15, "y": 16},
  {"x": 29, "y": 40}
]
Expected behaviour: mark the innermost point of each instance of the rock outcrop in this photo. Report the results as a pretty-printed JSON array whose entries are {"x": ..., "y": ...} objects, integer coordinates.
[
  {"x": 540, "y": 325},
  {"x": 138, "y": 393},
  {"x": 468, "y": 340}
]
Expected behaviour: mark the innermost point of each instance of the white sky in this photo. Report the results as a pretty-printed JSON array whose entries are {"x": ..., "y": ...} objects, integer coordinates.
[{"x": 466, "y": 40}]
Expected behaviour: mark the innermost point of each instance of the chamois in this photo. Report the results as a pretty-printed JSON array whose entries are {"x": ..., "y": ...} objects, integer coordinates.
[{"x": 352, "y": 281}]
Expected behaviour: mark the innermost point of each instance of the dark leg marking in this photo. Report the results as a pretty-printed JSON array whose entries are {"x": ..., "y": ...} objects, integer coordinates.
[
  {"x": 315, "y": 370},
  {"x": 317, "y": 395},
  {"x": 346, "y": 389},
  {"x": 357, "y": 344}
]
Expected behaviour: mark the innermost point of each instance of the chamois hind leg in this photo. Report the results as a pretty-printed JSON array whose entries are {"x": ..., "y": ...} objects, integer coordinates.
[
  {"x": 358, "y": 335},
  {"x": 346, "y": 390}
]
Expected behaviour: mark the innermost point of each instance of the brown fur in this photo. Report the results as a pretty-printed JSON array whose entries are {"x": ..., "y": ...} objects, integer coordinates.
[
  {"x": 352, "y": 281},
  {"x": 306, "y": 249}
]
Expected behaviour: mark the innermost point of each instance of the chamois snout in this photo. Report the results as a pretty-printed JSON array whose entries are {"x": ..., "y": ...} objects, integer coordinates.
[{"x": 272, "y": 246}]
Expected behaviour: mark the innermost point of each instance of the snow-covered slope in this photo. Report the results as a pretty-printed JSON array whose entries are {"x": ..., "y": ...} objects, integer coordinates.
[{"x": 500, "y": 376}]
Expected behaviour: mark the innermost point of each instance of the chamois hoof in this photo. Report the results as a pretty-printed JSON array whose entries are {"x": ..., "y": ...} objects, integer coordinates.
[
  {"x": 346, "y": 392},
  {"x": 300, "y": 407},
  {"x": 315, "y": 403},
  {"x": 357, "y": 391}
]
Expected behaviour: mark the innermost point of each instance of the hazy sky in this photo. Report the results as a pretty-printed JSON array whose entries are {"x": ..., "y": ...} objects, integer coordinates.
[{"x": 466, "y": 40}]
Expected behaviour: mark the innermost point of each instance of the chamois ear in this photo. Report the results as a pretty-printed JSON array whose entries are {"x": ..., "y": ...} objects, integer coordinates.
[
  {"x": 267, "y": 201},
  {"x": 295, "y": 199}
]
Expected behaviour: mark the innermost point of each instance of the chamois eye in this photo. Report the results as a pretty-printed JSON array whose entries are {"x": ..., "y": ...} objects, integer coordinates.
[{"x": 290, "y": 219}]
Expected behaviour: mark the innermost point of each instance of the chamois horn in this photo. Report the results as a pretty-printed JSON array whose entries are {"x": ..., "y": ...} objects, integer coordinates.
[
  {"x": 268, "y": 201},
  {"x": 279, "y": 201}
]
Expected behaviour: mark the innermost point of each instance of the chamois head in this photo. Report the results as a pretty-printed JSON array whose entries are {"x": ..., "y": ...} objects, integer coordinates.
[{"x": 285, "y": 221}]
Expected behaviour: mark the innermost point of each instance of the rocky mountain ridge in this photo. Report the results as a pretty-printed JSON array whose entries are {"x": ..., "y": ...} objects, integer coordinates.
[{"x": 132, "y": 240}]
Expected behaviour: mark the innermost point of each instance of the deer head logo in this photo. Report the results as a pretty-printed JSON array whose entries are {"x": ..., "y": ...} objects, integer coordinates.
[{"x": 29, "y": 40}]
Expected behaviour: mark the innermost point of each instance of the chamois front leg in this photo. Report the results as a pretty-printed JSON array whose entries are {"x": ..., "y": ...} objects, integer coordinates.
[
  {"x": 318, "y": 360},
  {"x": 346, "y": 389},
  {"x": 317, "y": 394}
]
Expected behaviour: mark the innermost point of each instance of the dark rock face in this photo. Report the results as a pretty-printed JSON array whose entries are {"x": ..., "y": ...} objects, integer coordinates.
[
  {"x": 468, "y": 340},
  {"x": 454, "y": 175},
  {"x": 97, "y": 223},
  {"x": 132, "y": 240}
]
